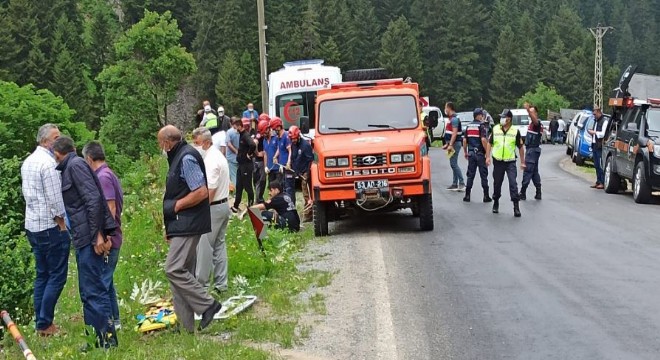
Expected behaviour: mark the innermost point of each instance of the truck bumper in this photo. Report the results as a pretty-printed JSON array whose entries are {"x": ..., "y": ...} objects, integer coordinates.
[{"x": 347, "y": 192}]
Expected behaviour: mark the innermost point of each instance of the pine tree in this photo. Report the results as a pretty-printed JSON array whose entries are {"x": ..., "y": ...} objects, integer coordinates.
[
  {"x": 390, "y": 10},
  {"x": 399, "y": 52},
  {"x": 229, "y": 85},
  {"x": 9, "y": 49},
  {"x": 502, "y": 91},
  {"x": 23, "y": 26},
  {"x": 251, "y": 84},
  {"x": 334, "y": 20},
  {"x": 527, "y": 67},
  {"x": 308, "y": 33},
  {"x": 36, "y": 65},
  {"x": 330, "y": 52},
  {"x": 363, "y": 31},
  {"x": 626, "y": 47},
  {"x": 103, "y": 29}
]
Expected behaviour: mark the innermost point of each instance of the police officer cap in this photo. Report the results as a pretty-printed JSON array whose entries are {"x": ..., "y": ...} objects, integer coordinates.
[
  {"x": 506, "y": 113},
  {"x": 477, "y": 111}
]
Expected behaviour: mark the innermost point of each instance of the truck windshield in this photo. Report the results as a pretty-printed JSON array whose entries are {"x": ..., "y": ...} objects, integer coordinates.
[
  {"x": 291, "y": 107},
  {"x": 398, "y": 111},
  {"x": 653, "y": 120}
]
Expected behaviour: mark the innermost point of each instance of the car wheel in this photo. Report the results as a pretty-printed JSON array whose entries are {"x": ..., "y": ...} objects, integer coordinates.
[
  {"x": 425, "y": 203},
  {"x": 320, "y": 219},
  {"x": 569, "y": 151},
  {"x": 641, "y": 189},
  {"x": 612, "y": 179}
]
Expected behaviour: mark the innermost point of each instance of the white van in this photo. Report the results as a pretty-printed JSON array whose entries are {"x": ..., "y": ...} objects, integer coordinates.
[
  {"x": 292, "y": 90},
  {"x": 521, "y": 120}
]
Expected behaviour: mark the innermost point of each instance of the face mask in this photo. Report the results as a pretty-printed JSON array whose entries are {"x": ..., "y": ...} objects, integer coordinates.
[
  {"x": 250, "y": 108},
  {"x": 200, "y": 150}
]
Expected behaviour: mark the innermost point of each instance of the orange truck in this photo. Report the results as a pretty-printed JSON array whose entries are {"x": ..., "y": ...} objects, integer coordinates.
[{"x": 370, "y": 152}]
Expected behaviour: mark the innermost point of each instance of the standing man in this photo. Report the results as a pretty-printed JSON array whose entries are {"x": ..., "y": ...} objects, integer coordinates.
[
  {"x": 210, "y": 120},
  {"x": 246, "y": 150},
  {"x": 533, "y": 154},
  {"x": 561, "y": 130},
  {"x": 201, "y": 113},
  {"x": 45, "y": 228},
  {"x": 303, "y": 156},
  {"x": 453, "y": 141},
  {"x": 223, "y": 120},
  {"x": 233, "y": 139},
  {"x": 475, "y": 143},
  {"x": 271, "y": 144},
  {"x": 260, "y": 158},
  {"x": 554, "y": 130},
  {"x": 211, "y": 251},
  {"x": 91, "y": 226},
  {"x": 598, "y": 133},
  {"x": 251, "y": 114},
  {"x": 187, "y": 217},
  {"x": 114, "y": 196},
  {"x": 502, "y": 148},
  {"x": 283, "y": 157}
]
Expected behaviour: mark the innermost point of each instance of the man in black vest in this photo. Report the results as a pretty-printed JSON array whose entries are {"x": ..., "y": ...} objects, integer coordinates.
[
  {"x": 187, "y": 217},
  {"x": 532, "y": 154},
  {"x": 598, "y": 133}
]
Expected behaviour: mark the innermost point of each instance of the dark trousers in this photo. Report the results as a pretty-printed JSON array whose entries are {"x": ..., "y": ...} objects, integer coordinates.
[
  {"x": 500, "y": 168},
  {"x": 244, "y": 182},
  {"x": 108, "y": 279},
  {"x": 598, "y": 158},
  {"x": 51, "y": 256},
  {"x": 531, "y": 173},
  {"x": 477, "y": 161},
  {"x": 259, "y": 178},
  {"x": 290, "y": 185},
  {"x": 274, "y": 176},
  {"x": 94, "y": 293}
]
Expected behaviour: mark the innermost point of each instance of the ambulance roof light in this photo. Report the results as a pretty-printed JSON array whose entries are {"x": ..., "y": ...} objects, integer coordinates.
[{"x": 303, "y": 63}]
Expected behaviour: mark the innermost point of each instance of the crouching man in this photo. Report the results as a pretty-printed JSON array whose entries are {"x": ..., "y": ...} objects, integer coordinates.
[{"x": 279, "y": 210}]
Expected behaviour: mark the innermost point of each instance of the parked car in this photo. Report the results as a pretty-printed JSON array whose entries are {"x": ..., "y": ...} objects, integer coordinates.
[
  {"x": 465, "y": 118},
  {"x": 583, "y": 140},
  {"x": 632, "y": 152},
  {"x": 546, "y": 136},
  {"x": 438, "y": 131},
  {"x": 574, "y": 127},
  {"x": 521, "y": 120}
]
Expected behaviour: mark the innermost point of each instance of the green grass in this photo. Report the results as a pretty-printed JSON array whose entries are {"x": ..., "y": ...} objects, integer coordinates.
[{"x": 274, "y": 278}]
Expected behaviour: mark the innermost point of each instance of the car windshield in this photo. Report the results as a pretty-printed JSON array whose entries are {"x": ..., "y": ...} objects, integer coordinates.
[
  {"x": 653, "y": 120},
  {"x": 357, "y": 114},
  {"x": 520, "y": 120}
]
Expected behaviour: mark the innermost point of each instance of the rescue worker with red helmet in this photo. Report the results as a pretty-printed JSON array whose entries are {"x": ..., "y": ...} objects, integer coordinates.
[
  {"x": 283, "y": 157},
  {"x": 271, "y": 144},
  {"x": 259, "y": 176},
  {"x": 302, "y": 157}
]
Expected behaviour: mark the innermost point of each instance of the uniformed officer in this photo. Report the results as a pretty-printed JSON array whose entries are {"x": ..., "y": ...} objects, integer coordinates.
[
  {"x": 502, "y": 146},
  {"x": 533, "y": 154},
  {"x": 475, "y": 143}
]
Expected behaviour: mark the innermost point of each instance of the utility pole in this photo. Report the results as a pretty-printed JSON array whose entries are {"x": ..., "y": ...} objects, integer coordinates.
[
  {"x": 599, "y": 32},
  {"x": 262, "y": 55}
]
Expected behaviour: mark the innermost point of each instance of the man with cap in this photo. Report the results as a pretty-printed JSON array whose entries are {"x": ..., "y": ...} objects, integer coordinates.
[
  {"x": 533, "y": 154},
  {"x": 475, "y": 143},
  {"x": 501, "y": 149}
]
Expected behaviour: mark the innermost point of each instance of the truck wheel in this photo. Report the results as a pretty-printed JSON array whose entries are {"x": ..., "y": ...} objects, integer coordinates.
[
  {"x": 320, "y": 219},
  {"x": 612, "y": 179},
  {"x": 365, "y": 74},
  {"x": 641, "y": 189},
  {"x": 415, "y": 208},
  {"x": 425, "y": 203},
  {"x": 569, "y": 151}
]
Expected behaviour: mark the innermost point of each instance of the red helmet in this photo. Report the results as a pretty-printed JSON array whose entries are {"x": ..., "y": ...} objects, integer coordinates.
[
  {"x": 245, "y": 121},
  {"x": 294, "y": 132},
  {"x": 275, "y": 122},
  {"x": 264, "y": 116},
  {"x": 263, "y": 126}
]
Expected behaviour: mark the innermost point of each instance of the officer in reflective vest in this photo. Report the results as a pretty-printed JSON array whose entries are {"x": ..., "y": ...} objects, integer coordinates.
[
  {"x": 502, "y": 146},
  {"x": 475, "y": 142},
  {"x": 210, "y": 120},
  {"x": 533, "y": 153}
]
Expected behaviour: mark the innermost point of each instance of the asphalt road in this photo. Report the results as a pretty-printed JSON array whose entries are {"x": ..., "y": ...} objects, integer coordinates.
[{"x": 575, "y": 278}]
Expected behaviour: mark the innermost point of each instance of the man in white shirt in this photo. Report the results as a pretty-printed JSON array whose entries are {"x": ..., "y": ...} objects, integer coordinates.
[
  {"x": 561, "y": 130},
  {"x": 211, "y": 251},
  {"x": 598, "y": 133},
  {"x": 45, "y": 227}
]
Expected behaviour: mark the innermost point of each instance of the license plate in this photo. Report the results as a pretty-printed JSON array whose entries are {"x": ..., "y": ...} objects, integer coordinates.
[{"x": 371, "y": 184}]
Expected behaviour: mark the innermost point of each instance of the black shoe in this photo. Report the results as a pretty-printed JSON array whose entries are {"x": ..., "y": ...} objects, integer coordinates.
[
  {"x": 522, "y": 196},
  {"x": 538, "y": 194},
  {"x": 496, "y": 206},
  {"x": 234, "y": 210},
  {"x": 207, "y": 316},
  {"x": 516, "y": 209},
  {"x": 466, "y": 198},
  {"x": 487, "y": 198}
]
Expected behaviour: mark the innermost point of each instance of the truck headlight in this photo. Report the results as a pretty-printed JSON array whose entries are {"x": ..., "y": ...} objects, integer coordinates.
[
  {"x": 395, "y": 158},
  {"x": 331, "y": 162},
  {"x": 408, "y": 157},
  {"x": 342, "y": 162}
]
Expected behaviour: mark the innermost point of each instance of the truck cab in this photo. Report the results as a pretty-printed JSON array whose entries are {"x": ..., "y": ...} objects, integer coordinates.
[
  {"x": 370, "y": 152},
  {"x": 632, "y": 151}
]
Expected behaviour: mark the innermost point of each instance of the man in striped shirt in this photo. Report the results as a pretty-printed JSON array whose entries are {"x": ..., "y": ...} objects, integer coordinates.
[{"x": 45, "y": 227}]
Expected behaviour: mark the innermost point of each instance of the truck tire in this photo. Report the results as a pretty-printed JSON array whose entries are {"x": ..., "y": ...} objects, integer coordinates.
[
  {"x": 425, "y": 203},
  {"x": 569, "y": 151},
  {"x": 641, "y": 189},
  {"x": 414, "y": 207},
  {"x": 365, "y": 74},
  {"x": 320, "y": 219},
  {"x": 612, "y": 179}
]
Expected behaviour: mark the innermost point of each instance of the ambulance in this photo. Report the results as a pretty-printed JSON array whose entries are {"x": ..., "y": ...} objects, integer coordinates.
[{"x": 292, "y": 91}]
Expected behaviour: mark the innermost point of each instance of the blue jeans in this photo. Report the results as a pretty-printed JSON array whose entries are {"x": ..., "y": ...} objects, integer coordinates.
[
  {"x": 598, "y": 157},
  {"x": 233, "y": 170},
  {"x": 110, "y": 284},
  {"x": 453, "y": 162},
  {"x": 94, "y": 293},
  {"x": 51, "y": 256}
]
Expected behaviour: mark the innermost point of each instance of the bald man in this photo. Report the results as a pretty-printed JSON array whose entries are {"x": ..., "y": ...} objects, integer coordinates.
[{"x": 187, "y": 217}]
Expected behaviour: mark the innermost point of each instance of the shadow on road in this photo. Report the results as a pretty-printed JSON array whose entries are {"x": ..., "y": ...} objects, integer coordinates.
[{"x": 398, "y": 222}]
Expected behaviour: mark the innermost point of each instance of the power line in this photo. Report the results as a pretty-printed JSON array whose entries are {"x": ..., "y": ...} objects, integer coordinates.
[{"x": 599, "y": 32}]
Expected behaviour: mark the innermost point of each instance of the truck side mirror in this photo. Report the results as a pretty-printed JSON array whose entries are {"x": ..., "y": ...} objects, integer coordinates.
[{"x": 304, "y": 124}]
